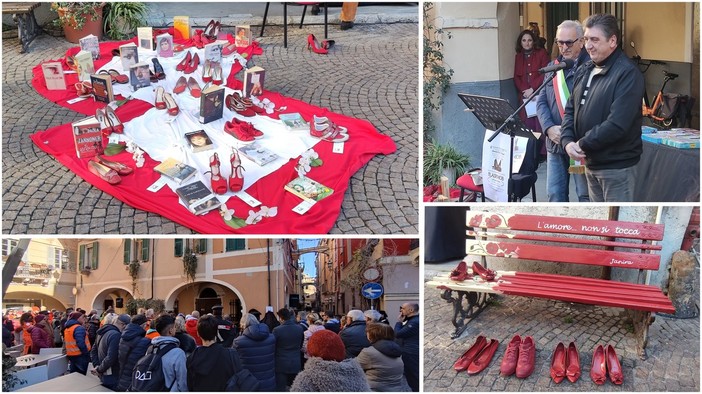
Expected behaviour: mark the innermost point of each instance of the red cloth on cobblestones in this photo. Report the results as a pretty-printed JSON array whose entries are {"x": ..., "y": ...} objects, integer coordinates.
[
  {"x": 89, "y": 106},
  {"x": 364, "y": 143}
]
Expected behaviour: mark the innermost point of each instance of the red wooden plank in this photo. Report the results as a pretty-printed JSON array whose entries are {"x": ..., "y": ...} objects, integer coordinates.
[
  {"x": 560, "y": 254},
  {"x": 566, "y": 225},
  {"x": 579, "y": 241},
  {"x": 591, "y": 299},
  {"x": 564, "y": 279},
  {"x": 575, "y": 282}
]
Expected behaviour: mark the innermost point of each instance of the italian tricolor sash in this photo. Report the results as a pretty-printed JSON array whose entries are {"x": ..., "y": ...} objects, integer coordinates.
[{"x": 560, "y": 89}]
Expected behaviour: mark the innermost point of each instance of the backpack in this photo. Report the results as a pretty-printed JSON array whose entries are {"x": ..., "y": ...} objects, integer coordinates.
[
  {"x": 148, "y": 372},
  {"x": 241, "y": 379}
]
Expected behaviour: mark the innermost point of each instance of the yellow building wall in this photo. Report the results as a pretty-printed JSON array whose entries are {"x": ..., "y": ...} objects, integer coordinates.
[{"x": 661, "y": 31}]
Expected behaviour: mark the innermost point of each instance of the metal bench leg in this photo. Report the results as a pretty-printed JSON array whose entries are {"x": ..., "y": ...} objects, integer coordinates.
[
  {"x": 642, "y": 320},
  {"x": 466, "y": 306},
  {"x": 265, "y": 16},
  {"x": 27, "y": 29}
]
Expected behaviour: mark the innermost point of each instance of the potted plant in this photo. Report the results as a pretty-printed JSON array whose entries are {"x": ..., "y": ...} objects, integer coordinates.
[
  {"x": 123, "y": 18},
  {"x": 443, "y": 160},
  {"x": 79, "y": 19}
]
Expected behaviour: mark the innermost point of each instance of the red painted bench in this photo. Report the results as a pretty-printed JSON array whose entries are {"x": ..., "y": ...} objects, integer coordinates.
[{"x": 561, "y": 240}]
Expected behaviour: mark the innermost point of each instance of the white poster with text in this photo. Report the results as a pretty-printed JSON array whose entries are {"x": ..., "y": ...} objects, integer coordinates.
[{"x": 496, "y": 164}]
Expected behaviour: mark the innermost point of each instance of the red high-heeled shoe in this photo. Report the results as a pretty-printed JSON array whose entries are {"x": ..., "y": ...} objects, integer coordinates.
[
  {"x": 217, "y": 74},
  {"x": 209, "y": 29},
  {"x": 194, "y": 87},
  {"x": 236, "y": 181},
  {"x": 464, "y": 361},
  {"x": 160, "y": 103},
  {"x": 171, "y": 104},
  {"x": 558, "y": 363},
  {"x": 314, "y": 46},
  {"x": 219, "y": 185},
  {"x": 105, "y": 126},
  {"x": 207, "y": 71},
  {"x": 117, "y": 126},
  {"x": 180, "y": 86},
  {"x": 181, "y": 66},
  {"x": 193, "y": 65}
]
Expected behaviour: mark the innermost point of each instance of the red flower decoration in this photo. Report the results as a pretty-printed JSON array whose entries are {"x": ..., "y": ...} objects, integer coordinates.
[
  {"x": 475, "y": 221},
  {"x": 492, "y": 248},
  {"x": 493, "y": 221}
]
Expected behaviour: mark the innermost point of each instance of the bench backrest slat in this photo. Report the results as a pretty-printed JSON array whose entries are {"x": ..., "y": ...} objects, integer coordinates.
[
  {"x": 560, "y": 254},
  {"x": 579, "y": 241},
  {"x": 566, "y": 225}
]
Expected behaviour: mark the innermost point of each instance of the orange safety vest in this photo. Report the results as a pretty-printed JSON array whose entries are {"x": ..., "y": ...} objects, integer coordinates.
[
  {"x": 72, "y": 348},
  {"x": 27, "y": 338},
  {"x": 152, "y": 334}
]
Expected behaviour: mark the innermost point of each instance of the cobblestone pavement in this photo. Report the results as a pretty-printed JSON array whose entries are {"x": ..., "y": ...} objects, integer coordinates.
[
  {"x": 673, "y": 362},
  {"x": 40, "y": 196}
]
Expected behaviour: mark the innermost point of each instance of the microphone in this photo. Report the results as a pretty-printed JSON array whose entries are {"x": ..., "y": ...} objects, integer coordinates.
[{"x": 566, "y": 64}]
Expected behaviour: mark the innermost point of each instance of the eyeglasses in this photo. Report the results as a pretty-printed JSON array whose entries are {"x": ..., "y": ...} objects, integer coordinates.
[{"x": 568, "y": 43}]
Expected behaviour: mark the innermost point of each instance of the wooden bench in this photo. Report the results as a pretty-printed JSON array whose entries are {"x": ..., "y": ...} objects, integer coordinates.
[
  {"x": 560, "y": 240},
  {"x": 27, "y": 27}
]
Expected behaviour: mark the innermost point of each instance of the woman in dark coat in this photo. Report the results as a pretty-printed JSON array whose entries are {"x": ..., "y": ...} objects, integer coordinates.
[
  {"x": 256, "y": 347},
  {"x": 187, "y": 342},
  {"x": 132, "y": 346},
  {"x": 40, "y": 339},
  {"x": 529, "y": 59}
]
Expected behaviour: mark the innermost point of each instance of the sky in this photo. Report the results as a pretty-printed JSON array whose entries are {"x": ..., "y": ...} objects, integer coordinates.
[{"x": 308, "y": 258}]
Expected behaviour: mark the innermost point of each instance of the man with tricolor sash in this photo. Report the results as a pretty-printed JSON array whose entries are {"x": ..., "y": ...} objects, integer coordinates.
[{"x": 550, "y": 109}]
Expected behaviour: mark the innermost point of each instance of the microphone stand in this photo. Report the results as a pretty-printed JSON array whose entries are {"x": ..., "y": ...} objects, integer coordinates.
[{"x": 509, "y": 122}]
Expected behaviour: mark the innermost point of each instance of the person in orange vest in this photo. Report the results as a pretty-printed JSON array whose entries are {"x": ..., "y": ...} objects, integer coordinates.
[
  {"x": 77, "y": 344},
  {"x": 26, "y": 322},
  {"x": 151, "y": 332}
]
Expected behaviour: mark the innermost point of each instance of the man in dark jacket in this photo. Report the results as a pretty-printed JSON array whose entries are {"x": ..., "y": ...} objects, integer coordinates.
[
  {"x": 132, "y": 346},
  {"x": 288, "y": 345},
  {"x": 256, "y": 347},
  {"x": 330, "y": 323},
  {"x": 225, "y": 332},
  {"x": 602, "y": 122},
  {"x": 407, "y": 336},
  {"x": 105, "y": 352},
  {"x": 92, "y": 327},
  {"x": 354, "y": 333},
  {"x": 77, "y": 344},
  {"x": 550, "y": 108}
]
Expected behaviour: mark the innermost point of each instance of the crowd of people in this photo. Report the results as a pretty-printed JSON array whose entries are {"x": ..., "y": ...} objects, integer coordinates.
[{"x": 283, "y": 351}]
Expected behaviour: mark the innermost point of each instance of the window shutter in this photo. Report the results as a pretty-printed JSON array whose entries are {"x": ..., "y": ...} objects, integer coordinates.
[
  {"x": 127, "y": 251},
  {"x": 81, "y": 257},
  {"x": 178, "y": 247},
  {"x": 145, "y": 250},
  {"x": 239, "y": 244},
  {"x": 95, "y": 255},
  {"x": 202, "y": 246}
]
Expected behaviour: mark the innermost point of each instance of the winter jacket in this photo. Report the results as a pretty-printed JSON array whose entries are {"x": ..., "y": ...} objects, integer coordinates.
[
  {"x": 526, "y": 70},
  {"x": 105, "y": 355},
  {"x": 546, "y": 106},
  {"x": 191, "y": 328},
  {"x": 187, "y": 343},
  {"x": 209, "y": 367},
  {"x": 46, "y": 326},
  {"x": 173, "y": 364},
  {"x": 92, "y": 329},
  {"x": 407, "y": 335},
  {"x": 608, "y": 125},
  {"x": 79, "y": 336},
  {"x": 132, "y": 347},
  {"x": 40, "y": 339},
  {"x": 320, "y": 375},
  {"x": 333, "y": 324},
  {"x": 354, "y": 338},
  {"x": 7, "y": 337},
  {"x": 256, "y": 347},
  {"x": 313, "y": 328},
  {"x": 288, "y": 345},
  {"x": 382, "y": 363}
]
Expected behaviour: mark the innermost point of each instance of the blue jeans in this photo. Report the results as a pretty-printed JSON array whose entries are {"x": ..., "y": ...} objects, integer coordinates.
[
  {"x": 615, "y": 185},
  {"x": 558, "y": 179}
]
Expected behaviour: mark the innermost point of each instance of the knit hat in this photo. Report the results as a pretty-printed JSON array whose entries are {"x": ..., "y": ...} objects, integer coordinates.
[
  {"x": 38, "y": 318},
  {"x": 124, "y": 318},
  {"x": 75, "y": 316},
  {"x": 139, "y": 319},
  {"x": 327, "y": 345}
]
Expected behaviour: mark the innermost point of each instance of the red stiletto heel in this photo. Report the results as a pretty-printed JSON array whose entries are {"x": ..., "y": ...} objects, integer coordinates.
[
  {"x": 236, "y": 181},
  {"x": 105, "y": 126},
  {"x": 160, "y": 102},
  {"x": 207, "y": 72},
  {"x": 219, "y": 185},
  {"x": 114, "y": 121},
  {"x": 217, "y": 74},
  {"x": 314, "y": 46},
  {"x": 171, "y": 105},
  {"x": 181, "y": 66}
]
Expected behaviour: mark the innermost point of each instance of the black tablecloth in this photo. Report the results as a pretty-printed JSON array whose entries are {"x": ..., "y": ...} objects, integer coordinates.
[
  {"x": 444, "y": 233},
  {"x": 667, "y": 174}
]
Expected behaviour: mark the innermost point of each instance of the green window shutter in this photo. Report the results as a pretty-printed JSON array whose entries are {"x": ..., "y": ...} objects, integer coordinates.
[
  {"x": 81, "y": 257},
  {"x": 178, "y": 247},
  {"x": 127, "y": 251},
  {"x": 202, "y": 246},
  {"x": 145, "y": 249},
  {"x": 235, "y": 244},
  {"x": 95, "y": 256}
]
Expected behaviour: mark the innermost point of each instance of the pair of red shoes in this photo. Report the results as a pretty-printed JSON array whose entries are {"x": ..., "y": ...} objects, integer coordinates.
[
  {"x": 604, "y": 362},
  {"x": 520, "y": 357},
  {"x": 107, "y": 170},
  {"x": 461, "y": 272},
  {"x": 191, "y": 84},
  {"x": 109, "y": 122},
  {"x": 165, "y": 101},
  {"x": 236, "y": 180},
  {"x": 477, "y": 357},
  {"x": 189, "y": 64},
  {"x": 212, "y": 72},
  {"x": 316, "y": 47},
  {"x": 242, "y": 105},
  {"x": 565, "y": 364},
  {"x": 243, "y": 131},
  {"x": 212, "y": 29}
]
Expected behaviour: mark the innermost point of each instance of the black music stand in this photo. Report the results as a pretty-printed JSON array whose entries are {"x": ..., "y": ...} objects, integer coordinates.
[{"x": 497, "y": 114}]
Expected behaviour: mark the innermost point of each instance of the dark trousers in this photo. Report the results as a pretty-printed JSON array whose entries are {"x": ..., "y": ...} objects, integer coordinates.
[
  {"x": 283, "y": 380},
  {"x": 411, "y": 362},
  {"x": 79, "y": 363}
]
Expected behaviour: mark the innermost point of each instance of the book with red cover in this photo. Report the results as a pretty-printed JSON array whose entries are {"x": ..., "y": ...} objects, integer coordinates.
[
  {"x": 53, "y": 76},
  {"x": 87, "y": 137}
]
